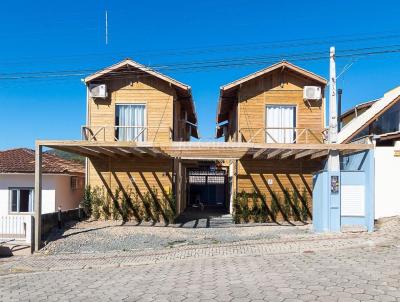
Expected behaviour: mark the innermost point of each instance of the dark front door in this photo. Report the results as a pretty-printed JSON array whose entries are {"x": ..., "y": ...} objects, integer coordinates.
[{"x": 208, "y": 187}]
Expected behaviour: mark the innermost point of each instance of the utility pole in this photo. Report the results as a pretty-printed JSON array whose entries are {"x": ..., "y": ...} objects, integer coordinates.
[
  {"x": 333, "y": 160},
  {"x": 340, "y": 91}
]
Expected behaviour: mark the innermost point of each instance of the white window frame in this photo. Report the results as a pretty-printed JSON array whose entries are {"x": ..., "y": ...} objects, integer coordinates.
[
  {"x": 281, "y": 105},
  {"x": 133, "y": 104},
  {"x": 19, "y": 202}
]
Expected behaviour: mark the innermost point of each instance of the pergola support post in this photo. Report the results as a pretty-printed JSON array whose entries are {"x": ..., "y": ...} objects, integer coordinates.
[{"x": 38, "y": 197}]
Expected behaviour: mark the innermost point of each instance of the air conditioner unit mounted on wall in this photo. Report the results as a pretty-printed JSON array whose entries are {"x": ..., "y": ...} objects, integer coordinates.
[
  {"x": 312, "y": 93},
  {"x": 98, "y": 90}
]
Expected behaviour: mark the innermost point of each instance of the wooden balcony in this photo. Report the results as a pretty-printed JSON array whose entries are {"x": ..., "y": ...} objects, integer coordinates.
[
  {"x": 283, "y": 135},
  {"x": 126, "y": 134}
]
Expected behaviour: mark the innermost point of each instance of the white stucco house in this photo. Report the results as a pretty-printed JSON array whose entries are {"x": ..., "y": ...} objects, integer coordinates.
[
  {"x": 63, "y": 185},
  {"x": 379, "y": 122}
]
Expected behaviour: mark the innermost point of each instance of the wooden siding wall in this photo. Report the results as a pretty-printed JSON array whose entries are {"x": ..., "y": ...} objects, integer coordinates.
[
  {"x": 138, "y": 175},
  {"x": 232, "y": 122},
  {"x": 277, "y": 88},
  {"x": 275, "y": 176},
  {"x": 157, "y": 95},
  {"x": 180, "y": 127}
]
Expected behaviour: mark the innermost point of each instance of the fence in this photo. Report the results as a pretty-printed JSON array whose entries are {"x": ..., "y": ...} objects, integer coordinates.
[
  {"x": 15, "y": 228},
  {"x": 19, "y": 227},
  {"x": 51, "y": 220},
  {"x": 126, "y": 133},
  {"x": 283, "y": 135}
]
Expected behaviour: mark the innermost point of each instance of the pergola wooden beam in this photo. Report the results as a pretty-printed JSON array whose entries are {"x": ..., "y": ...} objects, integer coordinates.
[
  {"x": 320, "y": 154},
  {"x": 306, "y": 153},
  {"x": 106, "y": 151},
  {"x": 134, "y": 151},
  {"x": 200, "y": 150},
  {"x": 80, "y": 151},
  {"x": 275, "y": 153},
  {"x": 120, "y": 152},
  {"x": 261, "y": 152},
  {"x": 151, "y": 152},
  {"x": 291, "y": 153}
]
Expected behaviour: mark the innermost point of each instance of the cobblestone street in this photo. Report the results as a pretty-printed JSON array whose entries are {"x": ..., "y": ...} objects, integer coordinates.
[{"x": 349, "y": 267}]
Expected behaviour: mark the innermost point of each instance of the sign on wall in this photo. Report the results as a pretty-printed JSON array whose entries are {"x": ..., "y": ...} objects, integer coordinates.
[{"x": 335, "y": 184}]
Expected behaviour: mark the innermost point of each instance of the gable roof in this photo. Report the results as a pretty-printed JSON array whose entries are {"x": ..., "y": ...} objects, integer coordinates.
[
  {"x": 283, "y": 64},
  {"x": 227, "y": 89},
  {"x": 22, "y": 160},
  {"x": 145, "y": 69},
  {"x": 364, "y": 105},
  {"x": 378, "y": 108},
  {"x": 183, "y": 88}
]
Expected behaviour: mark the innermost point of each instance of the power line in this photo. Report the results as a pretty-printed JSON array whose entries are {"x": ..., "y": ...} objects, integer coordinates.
[
  {"x": 203, "y": 65},
  {"x": 239, "y": 47}
]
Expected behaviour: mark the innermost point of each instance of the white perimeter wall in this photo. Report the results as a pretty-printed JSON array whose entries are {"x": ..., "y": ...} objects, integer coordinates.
[
  {"x": 387, "y": 182},
  {"x": 56, "y": 191}
]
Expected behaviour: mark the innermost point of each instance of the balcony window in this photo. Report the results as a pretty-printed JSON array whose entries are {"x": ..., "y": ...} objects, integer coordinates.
[
  {"x": 280, "y": 124},
  {"x": 130, "y": 122}
]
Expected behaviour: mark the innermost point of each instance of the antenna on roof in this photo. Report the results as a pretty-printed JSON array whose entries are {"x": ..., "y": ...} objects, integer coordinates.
[{"x": 106, "y": 27}]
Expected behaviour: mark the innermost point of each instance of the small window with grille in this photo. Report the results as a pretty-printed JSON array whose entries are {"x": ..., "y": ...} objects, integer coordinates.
[{"x": 77, "y": 182}]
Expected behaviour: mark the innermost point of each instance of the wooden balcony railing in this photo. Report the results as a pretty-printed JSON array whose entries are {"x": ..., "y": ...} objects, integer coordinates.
[
  {"x": 127, "y": 133},
  {"x": 283, "y": 135}
]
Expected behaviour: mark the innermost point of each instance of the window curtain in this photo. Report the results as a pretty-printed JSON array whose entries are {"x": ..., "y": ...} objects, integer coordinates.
[
  {"x": 131, "y": 123},
  {"x": 280, "y": 121}
]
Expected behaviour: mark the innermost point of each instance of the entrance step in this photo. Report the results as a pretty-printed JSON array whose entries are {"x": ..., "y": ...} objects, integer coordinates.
[{"x": 221, "y": 221}]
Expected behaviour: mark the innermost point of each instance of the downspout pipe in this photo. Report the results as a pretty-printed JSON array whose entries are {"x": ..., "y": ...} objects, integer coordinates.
[{"x": 339, "y": 122}]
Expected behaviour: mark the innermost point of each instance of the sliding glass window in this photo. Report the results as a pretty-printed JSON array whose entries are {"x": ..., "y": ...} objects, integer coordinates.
[{"x": 21, "y": 200}]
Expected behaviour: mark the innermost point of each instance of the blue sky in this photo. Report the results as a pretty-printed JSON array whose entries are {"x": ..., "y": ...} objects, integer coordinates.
[{"x": 41, "y": 36}]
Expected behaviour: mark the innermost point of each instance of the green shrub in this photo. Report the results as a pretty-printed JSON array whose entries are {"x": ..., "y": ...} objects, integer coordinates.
[
  {"x": 105, "y": 209},
  {"x": 172, "y": 202},
  {"x": 255, "y": 210},
  {"x": 133, "y": 203},
  {"x": 287, "y": 207},
  {"x": 304, "y": 209},
  {"x": 116, "y": 208},
  {"x": 275, "y": 201},
  {"x": 155, "y": 206},
  {"x": 169, "y": 207},
  {"x": 147, "y": 200},
  {"x": 125, "y": 201},
  {"x": 97, "y": 202},
  {"x": 237, "y": 211},
  {"x": 86, "y": 202},
  {"x": 296, "y": 206},
  {"x": 244, "y": 205},
  {"x": 263, "y": 209}
]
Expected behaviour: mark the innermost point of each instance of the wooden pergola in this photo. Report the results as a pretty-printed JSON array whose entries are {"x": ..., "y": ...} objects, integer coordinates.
[{"x": 182, "y": 150}]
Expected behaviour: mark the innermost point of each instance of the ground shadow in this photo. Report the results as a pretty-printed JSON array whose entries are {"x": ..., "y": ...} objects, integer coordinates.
[{"x": 194, "y": 216}]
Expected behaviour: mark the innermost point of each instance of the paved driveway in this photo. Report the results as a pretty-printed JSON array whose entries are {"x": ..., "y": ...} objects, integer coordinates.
[
  {"x": 105, "y": 236},
  {"x": 348, "y": 268}
]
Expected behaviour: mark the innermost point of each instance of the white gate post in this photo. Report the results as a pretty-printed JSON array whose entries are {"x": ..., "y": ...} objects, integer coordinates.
[{"x": 38, "y": 196}]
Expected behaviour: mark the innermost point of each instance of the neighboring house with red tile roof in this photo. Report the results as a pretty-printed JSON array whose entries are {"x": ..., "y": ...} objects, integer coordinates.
[
  {"x": 22, "y": 160},
  {"x": 63, "y": 183}
]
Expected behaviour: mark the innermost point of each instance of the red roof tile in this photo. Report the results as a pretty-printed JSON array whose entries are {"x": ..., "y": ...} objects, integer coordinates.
[{"x": 22, "y": 160}]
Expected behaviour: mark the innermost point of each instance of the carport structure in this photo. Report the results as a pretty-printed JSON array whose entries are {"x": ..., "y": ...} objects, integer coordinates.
[{"x": 181, "y": 151}]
